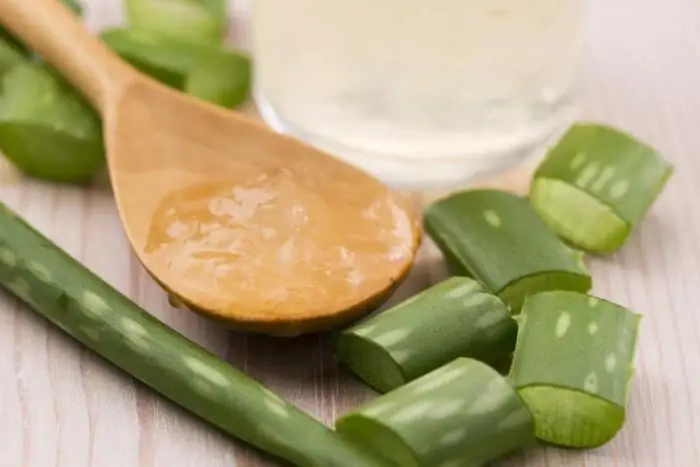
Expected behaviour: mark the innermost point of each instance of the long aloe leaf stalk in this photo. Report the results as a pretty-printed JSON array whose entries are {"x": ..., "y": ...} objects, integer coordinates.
[
  {"x": 573, "y": 364},
  {"x": 455, "y": 318},
  {"x": 74, "y": 299},
  {"x": 464, "y": 414},
  {"x": 497, "y": 238}
]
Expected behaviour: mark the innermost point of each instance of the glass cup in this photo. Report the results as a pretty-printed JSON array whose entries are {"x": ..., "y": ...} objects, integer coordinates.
[{"x": 419, "y": 93}]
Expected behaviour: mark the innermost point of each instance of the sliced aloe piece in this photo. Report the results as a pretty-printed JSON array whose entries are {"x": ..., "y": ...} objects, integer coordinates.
[
  {"x": 59, "y": 288},
  {"x": 462, "y": 414},
  {"x": 46, "y": 129},
  {"x": 455, "y": 318},
  {"x": 222, "y": 80},
  {"x": 199, "y": 21},
  {"x": 497, "y": 238},
  {"x": 596, "y": 185},
  {"x": 573, "y": 364}
]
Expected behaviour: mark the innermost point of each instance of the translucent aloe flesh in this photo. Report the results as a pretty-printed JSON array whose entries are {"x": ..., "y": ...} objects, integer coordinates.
[
  {"x": 197, "y": 21},
  {"x": 498, "y": 239},
  {"x": 463, "y": 414},
  {"x": 596, "y": 185},
  {"x": 46, "y": 129},
  {"x": 455, "y": 318},
  {"x": 573, "y": 364},
  {"x": 88, "y": 309}
]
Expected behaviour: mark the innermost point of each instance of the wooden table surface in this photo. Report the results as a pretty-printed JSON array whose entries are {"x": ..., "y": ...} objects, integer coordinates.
[{"x": 60, "y": 405}]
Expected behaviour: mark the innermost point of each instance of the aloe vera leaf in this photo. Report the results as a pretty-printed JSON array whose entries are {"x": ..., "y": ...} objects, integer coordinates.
[
  {"x": 455, "y": 318},
  {"x": 463, "y": 414},
  {"x": 596, "y": 185},
  {"x": 498, "y": 239},
  {"x": 71, "y": 297},
  {"x": 197, "y": 21},
  {"x": 47, "y": 130},
  {"x": 223, "y": 80},
  {"x": 573, "y": 365}
]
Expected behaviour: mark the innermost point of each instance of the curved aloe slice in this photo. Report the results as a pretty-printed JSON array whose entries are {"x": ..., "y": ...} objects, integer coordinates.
[
  {"x": 596, "y": 185},
  {"x": 222, "y": 80},
  {"x": 463, "y": 414},
  {"x": 75, "y": 300},
  {"x": 46, "y": 129},
  {"x": 453, "y": 319},
  {"x": 497, "y": 238},
  {"x": 199, "y": 21},
  {"x": 573, "y": 364}
]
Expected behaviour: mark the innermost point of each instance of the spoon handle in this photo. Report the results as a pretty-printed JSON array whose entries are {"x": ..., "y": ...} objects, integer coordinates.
[{"x": 61, "y": 39}]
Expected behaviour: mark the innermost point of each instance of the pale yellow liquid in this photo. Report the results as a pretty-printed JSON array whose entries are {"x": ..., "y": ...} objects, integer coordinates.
[{"x": 418, "y": 91}]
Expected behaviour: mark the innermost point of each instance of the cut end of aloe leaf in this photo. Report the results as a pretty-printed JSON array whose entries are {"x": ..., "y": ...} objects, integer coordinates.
[
  {"x": 368, "y": 433},
  {"x": 517, "y": 292},
  {"x": 373, "y": 364},
  {"x": 223, "y": 80},
  {"x": 571, "y": 418},
  {"x": 578, "y": 217}
]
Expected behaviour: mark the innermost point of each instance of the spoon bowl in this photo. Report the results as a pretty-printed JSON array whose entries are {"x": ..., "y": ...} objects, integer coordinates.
[{"x": 252, "y": 228}]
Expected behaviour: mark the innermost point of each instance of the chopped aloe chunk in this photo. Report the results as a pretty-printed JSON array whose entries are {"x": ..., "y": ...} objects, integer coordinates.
[
  {"x": 596, "y": 185},
  {"x": 46, "y": 129},
  {"x": 455, "y": 318},
  {"x": 573, "y": 364},
  {"x": 463, "y": 414},
  {"x": 198, "y": 21},
  {"x": 222, "y": 80},
  {"x": 496, "y": 238},
  {"x": 71, "y": 297}
]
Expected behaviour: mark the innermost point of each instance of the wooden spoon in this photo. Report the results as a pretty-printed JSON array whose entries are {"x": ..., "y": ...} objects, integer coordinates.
[{"x": 239, "y": 223}]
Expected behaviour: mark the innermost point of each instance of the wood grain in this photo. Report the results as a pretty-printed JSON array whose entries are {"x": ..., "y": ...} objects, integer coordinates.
[{"x": 62, "y": 406}]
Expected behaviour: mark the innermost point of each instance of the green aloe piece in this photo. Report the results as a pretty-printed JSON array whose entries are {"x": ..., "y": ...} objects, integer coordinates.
[
  {"x": 463, "y": 414},
  {"x": 198, "y": 21},
  {"x": 84, "y": 306},
  {"x": 46, "y": 129},
  {"x": 222, "y": 80},
  {"x": 573, "y": 364},
  {"x": 209, "y": 73},
  {"x": 496, "y": 238},
  {"x": 10, "y": 56},
  {"x": 455, "y": 318},
  {"x": 596, "y": 185}
]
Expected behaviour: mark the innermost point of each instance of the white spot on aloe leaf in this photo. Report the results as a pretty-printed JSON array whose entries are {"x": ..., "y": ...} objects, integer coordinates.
[
  {"x": 94, "y": 304},
  {"x": 488, "y": 319},
  {"x": 412, "y": 412},
  {"x": 590, "y": 384},
  {"x": 392, "y": 337},
  {"x": 563, "y": 324},
  {"x": 443, "y": 378},
  {"x": 277, "y": 408},
  {"x": 206, "y": 371},
  {"x": 604, "y": 178},
  {"x": 7, "y": 257},
  {"x": 453, "y": 437},
  {"x": 593, "y": 302},
  {"x": 21, "y": 288},
  {"x": 134, "y": 332},
  {"x": 587, "y": 174},
  {"x": 40, "y": 271},
  {"x": 492, "y": 218},
  {"x": 592, "y": 329},
  {"x": 610, "y": 363},
  {"x": 463, "y": 290},
  {"x": 446, "y": 409},
  {"x": 515, "y": 419},
  {"x": 491, "y": 399},
  {"x": 578, "y": 160},
  {"x": 90, "y": 333},
  {"x": 619, "y": 189},
  {"x": 476, "y": 299}
]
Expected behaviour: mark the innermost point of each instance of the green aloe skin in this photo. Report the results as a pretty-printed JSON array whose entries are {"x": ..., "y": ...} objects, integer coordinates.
[
  {"x": 498, "y": 239},
  {"x": 88, "y": 309},
  {"x": 573, "y": 364},
  {"x": 47, "y": 130},
  {"x": 455, "y": 318},
  {"x": 596, "y": 185},
  {"x": 464, "y": 414}
]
